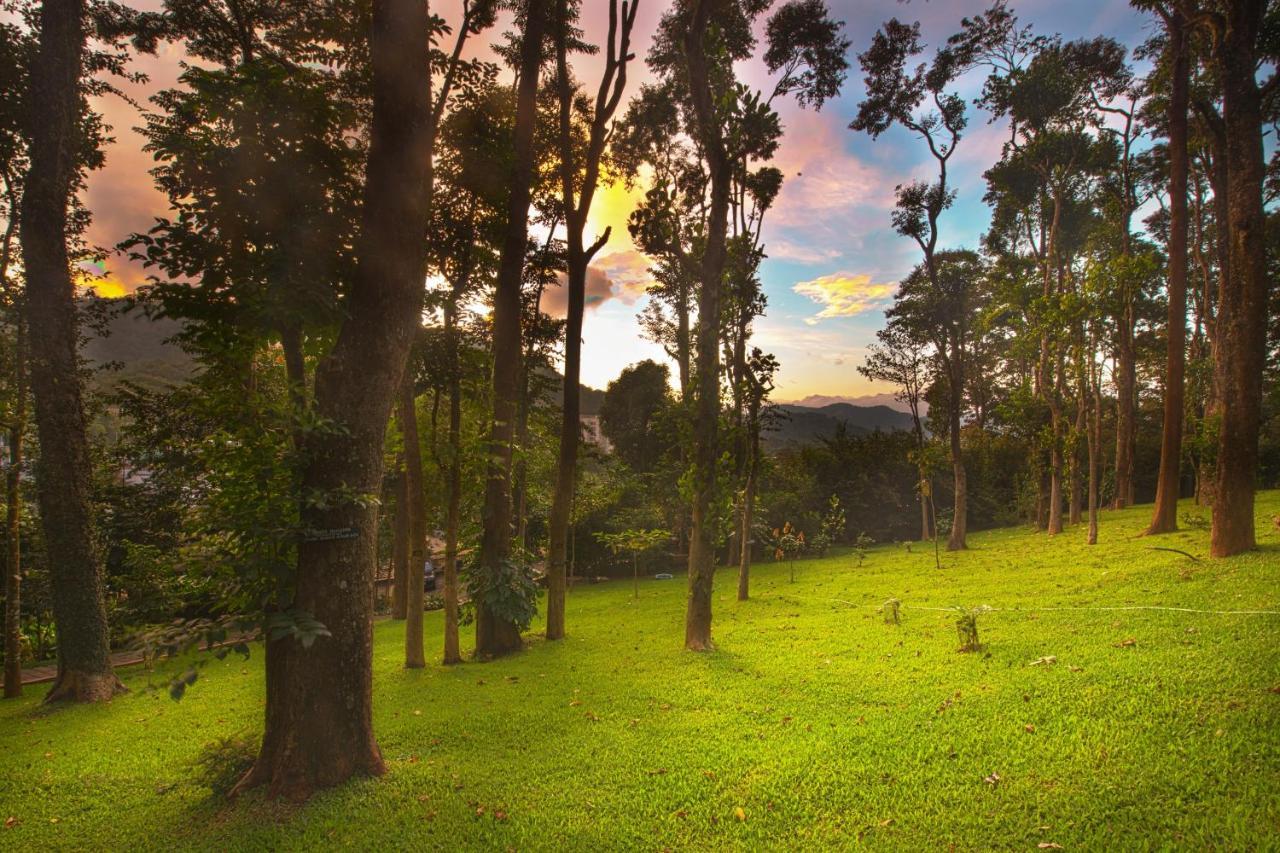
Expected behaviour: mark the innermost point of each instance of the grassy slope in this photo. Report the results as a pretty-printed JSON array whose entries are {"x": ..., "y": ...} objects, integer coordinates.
[{"x": 823, "y": 724}]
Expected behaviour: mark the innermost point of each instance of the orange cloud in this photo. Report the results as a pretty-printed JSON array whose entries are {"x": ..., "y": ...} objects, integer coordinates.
[{"x": 844, "y": 294}]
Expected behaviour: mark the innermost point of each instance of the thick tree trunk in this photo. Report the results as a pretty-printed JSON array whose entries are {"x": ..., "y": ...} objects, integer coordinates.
[
  {"x": 495, "y": 634},
  {"x": 13, "y": 518},
  {"x": 319, "y": 722},
  {"x": 706, "y": 423},
  {"x": 62, "y": 472},
  {"x": 400, "y": 548},
  {"x": 1165, "y": 517},
  {"x": 1243, "y": 296},
  {"x": 414, "y": 656}
]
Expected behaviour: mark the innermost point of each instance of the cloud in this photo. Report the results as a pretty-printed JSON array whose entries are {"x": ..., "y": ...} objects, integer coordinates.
[
  {"x": 602, "y": 286},
  {"x": 844, "y": 294}
]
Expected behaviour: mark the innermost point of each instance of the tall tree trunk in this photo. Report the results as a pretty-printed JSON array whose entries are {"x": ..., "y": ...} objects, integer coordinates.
[
  {"x": 577, "y": 190},
  {"x": 1095, "y": 447},
  {"x": 960, "y": 508},
  {"x": 400, "y": 548},
  {"x": 1243, "y": 296},
  {"x": 62, "y": 472},
  {"x": 495, "y": 634},
  {"x": 453, "y": 515},
  {"x": 1165, "y": 517},
  {"x": 414, "y": 656},
  {"x": 706, "y": 424},
  {"x": 1126, "y": 405},
  {"x": 749, "y": 502},
  {"x": 13, "y": 517},
  {"x": 1075, "y": 503},
  {"x": 319, "y": 721},
  {"x": 570, "y": 432}
]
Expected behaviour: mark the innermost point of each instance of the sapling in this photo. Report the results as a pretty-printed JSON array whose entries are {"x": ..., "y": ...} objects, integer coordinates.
[
  {"x": 967, "y": 626},
  {"x": 861, "y": 545}
]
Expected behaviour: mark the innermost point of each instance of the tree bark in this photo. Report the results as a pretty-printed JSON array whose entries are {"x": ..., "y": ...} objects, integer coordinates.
[
  {"x": 414, "y": 656},
  {"x": 62, "y": 473},
  {"x": 319, "y": 726},
  {"x": 960, "y": 507},
  {"x": 1168, "y": 486},
  {"x": 749, "y": 502},
  {"x": 706, "y": 424},
  {"x": 496, "y": 635},
  {"x": 13, "y": 516},
  {"x": 400, "y": 548},
  {"x": 453, "y": 515},
  {"x": 1243, "y": 296}
]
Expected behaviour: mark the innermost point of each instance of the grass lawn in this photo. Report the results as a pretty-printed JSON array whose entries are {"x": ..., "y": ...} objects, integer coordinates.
[{"x": 815, "y": 725}]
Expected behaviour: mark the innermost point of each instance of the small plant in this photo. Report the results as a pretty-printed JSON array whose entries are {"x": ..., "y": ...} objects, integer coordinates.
[
  {"x": 967, "y": 626},
  {"x": 861, "y": 545},
  {"x": 834, "y": 523},
  {"x": 1195, "y": 520},
  {"x": 891, "y": 610},
  {"x": 787, "y": 542},
  {"x": 819, "y": 544}
]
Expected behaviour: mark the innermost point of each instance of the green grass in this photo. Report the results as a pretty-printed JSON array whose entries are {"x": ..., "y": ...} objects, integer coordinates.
[{"x": 827, "y": 727}]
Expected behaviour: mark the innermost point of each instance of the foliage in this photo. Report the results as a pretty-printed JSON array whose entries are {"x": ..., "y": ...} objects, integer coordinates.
[{"x": 507, "y": 589}]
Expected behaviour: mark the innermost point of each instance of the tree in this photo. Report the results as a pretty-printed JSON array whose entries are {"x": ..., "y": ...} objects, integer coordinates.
[
  {"x": 900, "y": 357},
  {"x": 758, "y": 377},
  {"x": 1243, "y": 295},
  {"x": 496, "y": 634},
  {"x": 62, "y": 479},
  {"x": 630, "y": 410},
  {"x": 1165, "y": 516},
  {"x": 919, "y": 101},
  {"x": 579, "y": 177},
  {"x": 941, "y": 305},
  {"x": 805, "y": 46},
  {"x": 634, "y": 542},
  {"x": 319, "y": 725}
]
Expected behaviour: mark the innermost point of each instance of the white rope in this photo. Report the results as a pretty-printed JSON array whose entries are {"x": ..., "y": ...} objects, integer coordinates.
[{"x": 1162, "y": 607}]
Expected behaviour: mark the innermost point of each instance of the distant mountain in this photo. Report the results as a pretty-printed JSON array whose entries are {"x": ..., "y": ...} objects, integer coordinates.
[
  {"x": 133, "y": 347},
  {"x": 818, "y": 401},
  {"x": 800, "y": 425}
]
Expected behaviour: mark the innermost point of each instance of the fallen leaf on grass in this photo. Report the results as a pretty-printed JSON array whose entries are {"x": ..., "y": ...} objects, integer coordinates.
[
  {"x": 1127, "y": 642},
  {"x": 1076, "y": 668},
  {"x": 993, "y": 779},
  {"x": 1029, "y": 729},
  {"x": 740, "y": 814},
  {"x": 886, "y": 822},
  {"x": 1048, "y": 660},
  {"x": 573, "y": 703},
  {"x": 417, "y": 713},
  {"x": 1049, "y": 845},
  {"x": 660, "y": 771},
  {"x": 11, "y": 822},
  {"x": 499, "y": 815},
  {"x": 1275, "y": 689},
  {"x": 593, "y": 717}
]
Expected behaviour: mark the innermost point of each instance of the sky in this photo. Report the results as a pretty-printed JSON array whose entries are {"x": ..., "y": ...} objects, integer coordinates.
[{"x": 833, "y": 258}]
